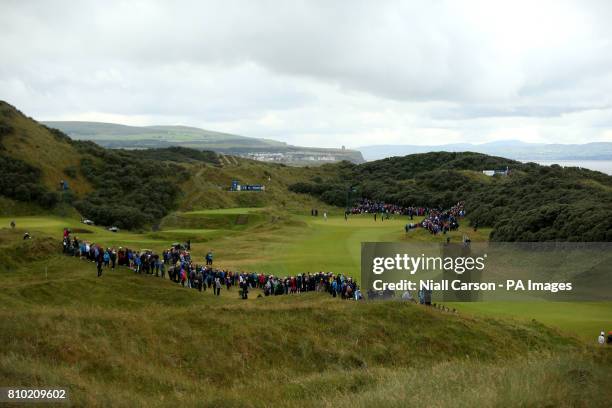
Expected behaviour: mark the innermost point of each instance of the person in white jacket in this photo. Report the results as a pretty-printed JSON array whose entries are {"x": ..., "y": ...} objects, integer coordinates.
[{"x": 602, "y": 338}]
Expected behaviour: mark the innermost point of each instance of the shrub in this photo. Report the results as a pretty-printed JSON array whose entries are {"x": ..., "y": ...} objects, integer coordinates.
[{"x": 130, "y": 191}]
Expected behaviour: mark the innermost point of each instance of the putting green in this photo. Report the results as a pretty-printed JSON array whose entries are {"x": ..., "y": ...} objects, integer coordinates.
[{"x": 317, "y": 244}]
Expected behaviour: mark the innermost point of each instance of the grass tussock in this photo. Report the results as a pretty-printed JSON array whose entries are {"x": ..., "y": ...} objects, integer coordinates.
[{"x": 127, "y": 340}]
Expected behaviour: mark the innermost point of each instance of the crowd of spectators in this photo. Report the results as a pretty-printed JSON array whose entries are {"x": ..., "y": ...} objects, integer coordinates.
[
  {"x": 444, "y": 221},
  {"x": 178, "y": 265}
]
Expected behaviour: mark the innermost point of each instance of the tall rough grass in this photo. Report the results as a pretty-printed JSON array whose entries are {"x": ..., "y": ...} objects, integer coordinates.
[{"x": 128, "y": 340}]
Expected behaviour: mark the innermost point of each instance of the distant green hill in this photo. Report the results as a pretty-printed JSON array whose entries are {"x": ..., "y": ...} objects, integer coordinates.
[
  {"x": 131, "y": 136},
  {"x": 513, "y": 149},
  {"x": 138, "y": 137}
]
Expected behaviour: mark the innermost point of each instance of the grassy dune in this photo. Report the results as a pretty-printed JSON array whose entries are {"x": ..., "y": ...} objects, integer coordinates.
[{"x": 127, "y": 340}]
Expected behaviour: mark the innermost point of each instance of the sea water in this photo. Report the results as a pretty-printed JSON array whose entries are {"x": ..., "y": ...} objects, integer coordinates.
[{"x": 605, "y": 166}]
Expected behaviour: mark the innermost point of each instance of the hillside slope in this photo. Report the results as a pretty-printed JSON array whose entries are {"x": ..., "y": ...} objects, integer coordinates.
[
  {"x": 208, "y": 187},
  {"x": 131, "y": 189},
  {"x": 123, "y": 188},
  {"x": 33, "y": 143}
]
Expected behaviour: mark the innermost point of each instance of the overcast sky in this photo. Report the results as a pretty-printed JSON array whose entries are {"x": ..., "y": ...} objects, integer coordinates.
[{"x": 318, "y": 73}]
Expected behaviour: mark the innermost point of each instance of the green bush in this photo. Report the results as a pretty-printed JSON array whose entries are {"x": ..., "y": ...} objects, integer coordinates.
[
  {"x": 130, "y": 191},
  {"x": 22, "y": 182}
]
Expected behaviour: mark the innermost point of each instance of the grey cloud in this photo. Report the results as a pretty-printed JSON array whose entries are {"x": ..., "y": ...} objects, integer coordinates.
[{"x": 404, "y": 66}]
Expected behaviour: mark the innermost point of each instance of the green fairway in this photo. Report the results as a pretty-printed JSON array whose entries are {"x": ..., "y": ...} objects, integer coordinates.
[
  {"x": 295, "y": 244},
  {"x": 313, "y": 244},
  {"x": 332, "y": 246},
  {"x": 585, "y": 319}
]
